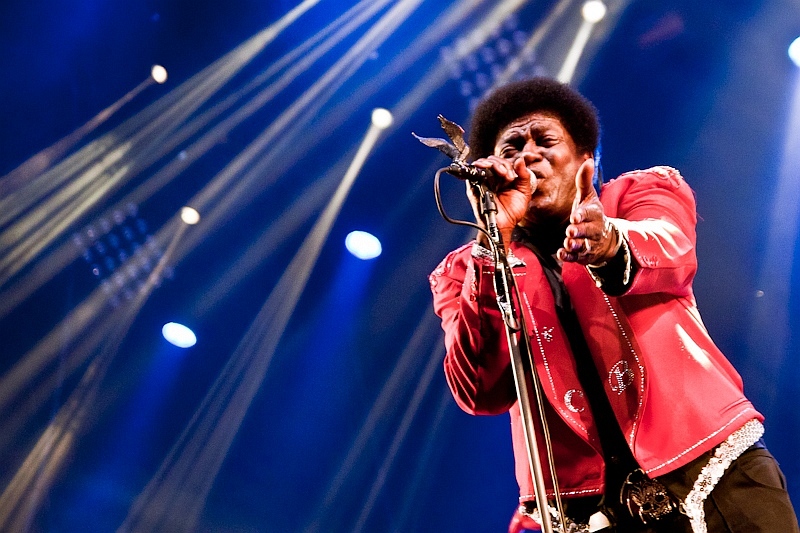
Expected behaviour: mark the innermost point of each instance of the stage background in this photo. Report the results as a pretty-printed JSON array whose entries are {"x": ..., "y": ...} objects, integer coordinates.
[{"x": 338, "y": 418}]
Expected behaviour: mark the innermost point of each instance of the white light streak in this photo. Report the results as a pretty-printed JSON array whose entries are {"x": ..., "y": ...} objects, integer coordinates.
[
  {"x": 151, "y": 132},
  {"x": 769, "y": 331},
  {"x": 532, "y": 43},
  {"x": 575, "y": 51}
]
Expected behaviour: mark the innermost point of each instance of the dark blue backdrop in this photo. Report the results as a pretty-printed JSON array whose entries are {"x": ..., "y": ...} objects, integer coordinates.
[{"x": 701, "y": 87}]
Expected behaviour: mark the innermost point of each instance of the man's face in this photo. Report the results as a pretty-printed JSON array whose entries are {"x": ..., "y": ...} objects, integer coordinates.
[{"x": 550, "y": 153}]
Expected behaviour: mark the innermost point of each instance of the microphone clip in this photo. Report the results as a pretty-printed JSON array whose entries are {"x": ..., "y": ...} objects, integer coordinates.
[{"x": 471, "y": 173}]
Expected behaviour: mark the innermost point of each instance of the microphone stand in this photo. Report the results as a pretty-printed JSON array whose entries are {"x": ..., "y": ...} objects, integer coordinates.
[{"x": 521, "y": 363}]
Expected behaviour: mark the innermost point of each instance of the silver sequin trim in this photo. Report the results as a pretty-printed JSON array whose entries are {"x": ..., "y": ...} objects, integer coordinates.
[
  {"x": 727, "y": 452},
  {"x": 572, "y": 526},
  {"x": 485, "y": 255},
  {"x": 698, "y": 443}
]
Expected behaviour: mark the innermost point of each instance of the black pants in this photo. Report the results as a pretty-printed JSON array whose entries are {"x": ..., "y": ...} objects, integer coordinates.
[{"x": 750, "y": 497}]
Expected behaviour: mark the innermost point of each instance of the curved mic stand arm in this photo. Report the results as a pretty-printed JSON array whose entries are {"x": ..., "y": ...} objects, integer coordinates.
[{"x": 525, "y": 378}]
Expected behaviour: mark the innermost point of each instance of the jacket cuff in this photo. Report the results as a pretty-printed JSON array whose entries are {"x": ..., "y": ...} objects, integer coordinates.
[{"x": 615, "y": 276}]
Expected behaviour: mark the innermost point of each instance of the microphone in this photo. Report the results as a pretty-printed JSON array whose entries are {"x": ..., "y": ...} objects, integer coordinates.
[{"x": 465, "y": 171}]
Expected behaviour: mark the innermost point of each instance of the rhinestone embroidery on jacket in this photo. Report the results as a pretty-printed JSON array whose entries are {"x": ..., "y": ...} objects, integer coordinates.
[
  {"x": 620, "y": 377},
  {"x": 638, "y": 363},
  {"x": 568, "y": 400},
  {"x": 473, "y": 281},
  {"x": 581, "y": 492},
  {"x": 538, "y": 335},
  {"x": 698, "y": 443}
]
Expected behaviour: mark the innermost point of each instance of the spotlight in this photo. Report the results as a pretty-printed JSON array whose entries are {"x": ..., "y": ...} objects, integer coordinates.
[
  {"x": 593, "y": 11},
  {"x": 190, "y": 215},
  {"x": 179, "y": 335},
  {"x": 158, "y": 73},
  {"x": 381, "y": 118},
  {"x": 794, "y": 51},
  {"x": 363, "y": 245}
]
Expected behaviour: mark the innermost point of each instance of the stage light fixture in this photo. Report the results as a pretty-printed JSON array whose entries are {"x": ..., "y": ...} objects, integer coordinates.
[
  {"x": 794, "y": 51},
  {"x": 158, "y": 73},
  {"x": 479, "y": 61},
  {"x": 179, "y": 335},
  {"x": 363, "y": 245},
  {"x": 593, "y": 11},
  {"x": 381, "y": 118},
  {"x": 190, "y": 215}
]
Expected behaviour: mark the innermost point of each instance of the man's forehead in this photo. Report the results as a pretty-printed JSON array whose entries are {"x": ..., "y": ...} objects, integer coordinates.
[{"x": 537, "y": 119}]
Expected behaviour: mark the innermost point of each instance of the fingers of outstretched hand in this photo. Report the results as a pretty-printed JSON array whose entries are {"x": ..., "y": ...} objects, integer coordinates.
[
  {"x": 586, "y": 238},
  {"x": 567, "y": 256},
  {"x": 591, "y": 243},
  {"x": 583, "y": 251},
  {"x": 587, "y": 212}
]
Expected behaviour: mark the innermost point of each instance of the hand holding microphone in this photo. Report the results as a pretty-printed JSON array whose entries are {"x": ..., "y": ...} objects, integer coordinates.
[
  {"x": 511, "y": 181},
  {"x": 513, "y": 184}
]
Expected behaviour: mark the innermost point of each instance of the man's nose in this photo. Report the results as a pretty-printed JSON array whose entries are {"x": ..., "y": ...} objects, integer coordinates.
[{"x": 531, "y": 154}]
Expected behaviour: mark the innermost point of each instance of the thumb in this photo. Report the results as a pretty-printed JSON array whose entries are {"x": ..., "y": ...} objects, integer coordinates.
[{"x": 583, "y": 182}]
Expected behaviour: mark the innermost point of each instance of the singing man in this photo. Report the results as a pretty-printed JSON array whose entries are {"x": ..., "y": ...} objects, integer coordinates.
[{"x": 651, "y": 431}]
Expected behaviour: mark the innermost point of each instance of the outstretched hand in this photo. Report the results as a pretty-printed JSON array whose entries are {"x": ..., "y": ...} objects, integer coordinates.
[{"x": 590, "y": 238}]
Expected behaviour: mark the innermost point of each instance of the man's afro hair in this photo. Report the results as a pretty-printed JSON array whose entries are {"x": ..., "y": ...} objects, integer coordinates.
[{"x": 515, "y": 100}]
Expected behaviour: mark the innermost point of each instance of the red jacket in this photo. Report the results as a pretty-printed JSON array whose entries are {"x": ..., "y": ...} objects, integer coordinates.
[{"x": 674, "y": 394}]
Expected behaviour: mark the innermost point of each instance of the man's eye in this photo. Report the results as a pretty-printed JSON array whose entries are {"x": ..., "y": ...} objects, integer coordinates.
[
  {"x": 508, "y": 151},
  {"x": 511, "y": 146}
]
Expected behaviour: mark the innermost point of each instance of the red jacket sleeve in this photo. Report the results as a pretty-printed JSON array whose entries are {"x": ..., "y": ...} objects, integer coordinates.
[
  {"x": 654, "y": 210},
  {"x": 477, "y": 364}
]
